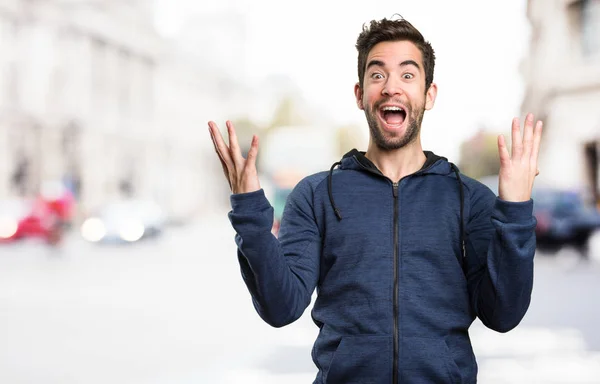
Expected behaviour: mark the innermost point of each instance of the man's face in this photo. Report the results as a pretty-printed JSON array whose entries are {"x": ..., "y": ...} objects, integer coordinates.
[{"x": 393, "y": 95}]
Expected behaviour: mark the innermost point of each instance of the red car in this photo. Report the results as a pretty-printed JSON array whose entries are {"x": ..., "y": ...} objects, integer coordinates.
[{"x": 41, "y": 217}]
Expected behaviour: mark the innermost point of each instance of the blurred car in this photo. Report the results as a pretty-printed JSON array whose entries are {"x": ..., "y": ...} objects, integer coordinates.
[
  {"x": 12, "y": 213},
  {"x": 126, "y": 221},
  {"x": 563, "y": 217},
  {"x": 28, "y": 218},
  {"x": 60, "y": 200}
]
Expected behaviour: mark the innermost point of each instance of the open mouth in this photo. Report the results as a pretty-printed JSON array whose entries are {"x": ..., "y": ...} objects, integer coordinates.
[{"x": 393, "y": 115}]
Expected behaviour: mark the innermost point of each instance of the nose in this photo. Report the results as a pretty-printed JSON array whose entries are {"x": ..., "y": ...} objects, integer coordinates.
[{"x": 393, "y": 86}]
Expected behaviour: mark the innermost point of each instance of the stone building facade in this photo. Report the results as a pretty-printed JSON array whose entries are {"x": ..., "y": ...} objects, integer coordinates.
[{"x": 562, "y": 77}]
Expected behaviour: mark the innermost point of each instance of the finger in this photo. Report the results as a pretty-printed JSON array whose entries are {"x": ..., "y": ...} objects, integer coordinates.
[
  {"x": 212, "y": 137},
  {"x": 234, "y": 147},
  {"x": 221, "y": 147},
  {"x": 503, "y": 151},
  {"x": 517, "y": 143},
  {"x": 220, "y": 158},
  {"x": 528, "y": 136},
  {"x": 225, "y": 171},
  {"x": 537, "y": 138},
  {"x": 252, "y": 153},
  {"x": 223, "y": 164}
]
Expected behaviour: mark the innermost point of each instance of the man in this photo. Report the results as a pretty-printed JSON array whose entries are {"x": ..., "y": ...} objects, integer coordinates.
[{"x": 403, "y": 250}]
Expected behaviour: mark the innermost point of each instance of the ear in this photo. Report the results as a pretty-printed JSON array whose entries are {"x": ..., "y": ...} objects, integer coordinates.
[
  {"x": 430, "y": 96},
  {"x": 358, "y": 93}
]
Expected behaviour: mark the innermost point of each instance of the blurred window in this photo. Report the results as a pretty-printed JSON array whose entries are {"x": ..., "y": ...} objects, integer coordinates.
[
  {"x": 9, "y": 84},
  {"x": 98, "y": 77},
  {"x": 146, "y": 89},
  {"x": 590, "y": 27},
  {"x": 125, "y": 68},
  {"x": 5, "y": 41}
]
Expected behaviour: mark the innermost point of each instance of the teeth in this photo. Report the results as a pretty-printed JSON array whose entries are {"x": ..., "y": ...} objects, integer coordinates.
[{"x": 392, "y": 108}]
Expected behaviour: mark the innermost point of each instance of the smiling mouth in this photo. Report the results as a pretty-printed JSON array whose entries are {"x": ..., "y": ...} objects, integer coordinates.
[{"x": 393, "y": 115}]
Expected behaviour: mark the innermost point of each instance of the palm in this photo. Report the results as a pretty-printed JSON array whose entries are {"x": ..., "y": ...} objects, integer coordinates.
[
  {"x": 240, "y": 171},
  {"x": 519, "y": 168}
]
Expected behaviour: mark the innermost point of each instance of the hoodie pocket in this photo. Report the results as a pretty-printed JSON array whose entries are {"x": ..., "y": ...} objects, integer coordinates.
[
  {"x": 361, "y": 359},
  {"x": 428, "y": 360}
]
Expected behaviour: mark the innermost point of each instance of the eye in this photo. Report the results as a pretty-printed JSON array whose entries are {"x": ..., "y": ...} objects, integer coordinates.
[
  {"x": 376, "y": 76},
  {"x": 408, "y": 76}
]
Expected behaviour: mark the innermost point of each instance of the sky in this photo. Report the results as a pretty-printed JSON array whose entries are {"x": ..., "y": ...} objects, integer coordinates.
[{"x": 479, "y": 46}]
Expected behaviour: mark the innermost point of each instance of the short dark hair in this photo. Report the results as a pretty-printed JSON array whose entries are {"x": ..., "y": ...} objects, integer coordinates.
[{"x": 393, "y": 30}]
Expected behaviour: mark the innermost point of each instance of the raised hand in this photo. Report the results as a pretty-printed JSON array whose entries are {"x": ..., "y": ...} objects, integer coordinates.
[
  {"x": 519, "y": 169},
  {"x": 240, "y": 172}
]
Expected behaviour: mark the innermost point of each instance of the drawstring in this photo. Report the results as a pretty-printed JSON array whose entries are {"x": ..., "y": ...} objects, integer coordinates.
[
  {"x": 462, "y": 204},
  {"x": 329, "y": 189}
]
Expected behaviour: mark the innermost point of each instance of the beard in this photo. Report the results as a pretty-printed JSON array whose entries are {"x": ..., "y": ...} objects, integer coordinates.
[{"x": 378, "y": 134}]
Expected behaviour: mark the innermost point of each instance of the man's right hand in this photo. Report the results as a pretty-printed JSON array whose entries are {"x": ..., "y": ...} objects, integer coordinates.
[{"x": 240, "y": 172}]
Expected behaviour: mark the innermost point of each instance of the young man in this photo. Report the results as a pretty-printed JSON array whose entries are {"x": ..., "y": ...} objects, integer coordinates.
[{"x": 403, "y": 250}]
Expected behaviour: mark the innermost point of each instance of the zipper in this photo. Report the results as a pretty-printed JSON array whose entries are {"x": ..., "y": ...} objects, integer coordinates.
[
  {"x": 396, "y": 288},
  {"x": 396, "y": 305}
]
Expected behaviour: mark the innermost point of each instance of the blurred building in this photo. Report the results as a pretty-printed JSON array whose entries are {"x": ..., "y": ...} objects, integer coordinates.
[
  {"x": 90, "y": 94},
  {"x": 562, "y": 74},
  {"x": 479, "y": 154}
]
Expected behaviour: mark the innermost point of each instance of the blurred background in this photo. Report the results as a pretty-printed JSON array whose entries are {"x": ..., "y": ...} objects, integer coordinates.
[{"x": 117, "y": 260}]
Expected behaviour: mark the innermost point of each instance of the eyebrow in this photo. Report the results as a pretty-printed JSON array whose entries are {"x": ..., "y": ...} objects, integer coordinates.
[{"x": 380, "y": 63}]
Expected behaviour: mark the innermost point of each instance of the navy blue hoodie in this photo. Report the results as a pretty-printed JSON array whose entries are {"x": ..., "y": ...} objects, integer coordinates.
[{"x": 396, "y": 291}]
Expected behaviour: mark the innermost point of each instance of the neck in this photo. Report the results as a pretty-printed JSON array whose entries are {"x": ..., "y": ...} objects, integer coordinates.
[{"x": 397, "y": 163}]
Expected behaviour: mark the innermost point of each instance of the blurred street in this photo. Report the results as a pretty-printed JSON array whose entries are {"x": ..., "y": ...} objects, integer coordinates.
[{"x": 175, "y": 310}]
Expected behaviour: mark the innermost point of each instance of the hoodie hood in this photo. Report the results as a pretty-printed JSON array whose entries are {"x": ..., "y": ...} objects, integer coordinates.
[{"x": 357, "y": 160}]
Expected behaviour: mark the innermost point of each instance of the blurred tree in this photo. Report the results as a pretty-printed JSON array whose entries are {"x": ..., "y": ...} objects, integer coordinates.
[
  {"x": 479, "y": 155},
  {"x": 348, "y": 137},
  {"x": 245, "y": 128},
  {"x": 287, "y": 113}
]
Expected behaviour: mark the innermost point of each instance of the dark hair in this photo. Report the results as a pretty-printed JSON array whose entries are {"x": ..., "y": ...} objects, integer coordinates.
[{"x": 393, "y": 30}]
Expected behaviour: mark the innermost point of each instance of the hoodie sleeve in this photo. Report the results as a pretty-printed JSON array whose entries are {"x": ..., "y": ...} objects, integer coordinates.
[
  {"x": 500, "y": 248},
  {"x": 280, "y": 274}
]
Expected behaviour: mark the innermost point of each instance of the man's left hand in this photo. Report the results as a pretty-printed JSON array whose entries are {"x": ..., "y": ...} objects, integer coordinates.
[{"x": 519, "y": 169}]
